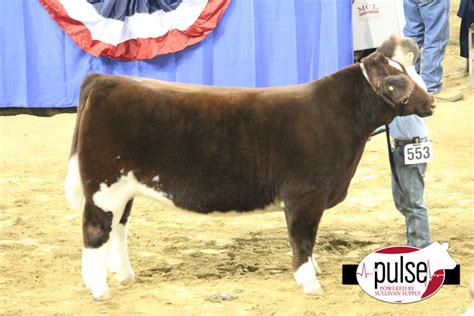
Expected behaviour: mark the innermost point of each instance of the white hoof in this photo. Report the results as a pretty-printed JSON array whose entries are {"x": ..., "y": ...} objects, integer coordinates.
[
  {"x": 305, "y": 276},
  {"x": 313, "y": 290},
  {"x": 94, "y": 272},
  {"x": 105, "y": 296},
  {"x": 112, "y": 268},
  {"x": 129, "y": 280}
]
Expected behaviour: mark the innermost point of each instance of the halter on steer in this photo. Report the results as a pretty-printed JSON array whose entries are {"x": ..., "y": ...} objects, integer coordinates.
[{"x": 404, "y": 101}]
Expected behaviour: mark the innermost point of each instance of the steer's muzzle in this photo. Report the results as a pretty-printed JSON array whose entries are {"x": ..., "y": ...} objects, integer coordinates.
[{"x": 428, "y": 109}]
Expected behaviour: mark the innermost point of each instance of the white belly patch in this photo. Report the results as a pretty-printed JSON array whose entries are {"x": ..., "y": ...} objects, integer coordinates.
[{"x": 114, "y": 197}]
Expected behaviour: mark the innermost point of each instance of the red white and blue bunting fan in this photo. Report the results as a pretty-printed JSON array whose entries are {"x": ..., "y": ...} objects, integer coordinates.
[{"x": 135, "y": 29}]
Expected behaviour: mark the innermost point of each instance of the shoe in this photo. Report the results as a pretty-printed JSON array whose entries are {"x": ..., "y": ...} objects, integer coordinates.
[{"x": 446, "y": 96}]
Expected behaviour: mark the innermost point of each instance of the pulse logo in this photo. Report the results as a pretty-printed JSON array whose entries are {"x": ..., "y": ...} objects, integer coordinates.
[{"x": 402, "y": 274}]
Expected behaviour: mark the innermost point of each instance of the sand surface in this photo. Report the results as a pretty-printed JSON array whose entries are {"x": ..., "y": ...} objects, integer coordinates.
[{"x": 183, "y": 259}]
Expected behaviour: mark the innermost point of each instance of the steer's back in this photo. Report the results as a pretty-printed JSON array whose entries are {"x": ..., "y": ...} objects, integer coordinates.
[{"x": 206, "y": 148}]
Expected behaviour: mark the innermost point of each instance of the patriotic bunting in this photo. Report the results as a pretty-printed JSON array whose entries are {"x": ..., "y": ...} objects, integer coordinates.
[{"x": 135, "y": 29}]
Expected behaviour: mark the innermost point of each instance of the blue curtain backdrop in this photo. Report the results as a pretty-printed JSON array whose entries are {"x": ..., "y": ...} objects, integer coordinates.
[{"x": 258, "y": 43}]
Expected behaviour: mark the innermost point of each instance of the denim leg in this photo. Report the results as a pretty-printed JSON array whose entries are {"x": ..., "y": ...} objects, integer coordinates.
[
  {"x": 408, "y": 198},
  {"x": 414, "y": 27},
  {"x": 435, "y": 15}
]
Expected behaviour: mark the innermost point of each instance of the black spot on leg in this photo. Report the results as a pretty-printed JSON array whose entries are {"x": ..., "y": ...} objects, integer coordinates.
[{"x": 96, "y": 226}]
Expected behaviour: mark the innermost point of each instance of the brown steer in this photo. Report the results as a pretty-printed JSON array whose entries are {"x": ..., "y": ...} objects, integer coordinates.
[{"x": 218, "y": 149}]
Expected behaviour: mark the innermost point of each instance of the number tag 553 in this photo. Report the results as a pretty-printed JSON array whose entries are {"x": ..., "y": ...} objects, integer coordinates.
[{"x": 418, "y": 153}]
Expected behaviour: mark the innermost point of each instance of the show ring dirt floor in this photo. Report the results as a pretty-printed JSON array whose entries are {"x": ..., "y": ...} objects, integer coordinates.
[{"x": 185, "y": 260}]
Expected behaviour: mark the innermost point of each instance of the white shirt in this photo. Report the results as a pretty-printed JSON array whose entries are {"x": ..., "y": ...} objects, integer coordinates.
[{"x": 408, "y": 127}]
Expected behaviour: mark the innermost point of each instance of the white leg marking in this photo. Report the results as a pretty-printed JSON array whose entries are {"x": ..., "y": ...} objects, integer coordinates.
[
  {"x": 113, "y": 198},
  {"x": 305, "y": 276},
  {"x": 94, "y": 271},
  {"x": 118, "y": 261},
  {"x": 73, "y": 184},
  {"x": 316, "y": 265}
]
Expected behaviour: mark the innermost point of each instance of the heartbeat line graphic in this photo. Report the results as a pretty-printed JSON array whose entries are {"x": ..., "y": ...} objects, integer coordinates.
[
  {"x": 431, "y": 276},
  {"x": 364, "y": 272}
]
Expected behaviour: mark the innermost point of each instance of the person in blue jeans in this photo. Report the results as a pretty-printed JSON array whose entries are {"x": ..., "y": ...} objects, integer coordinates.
[
  {"x": 408, "y": 191},
  {"x": 427, "y": 22}
]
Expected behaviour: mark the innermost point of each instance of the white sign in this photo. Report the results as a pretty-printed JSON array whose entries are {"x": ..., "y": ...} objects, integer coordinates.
[
  {"x": 418, "y": 153},
  {"x": 373, "y": 21}
]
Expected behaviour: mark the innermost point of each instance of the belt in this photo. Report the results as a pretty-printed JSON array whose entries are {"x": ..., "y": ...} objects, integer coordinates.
[{"x": 414, "y": 140}]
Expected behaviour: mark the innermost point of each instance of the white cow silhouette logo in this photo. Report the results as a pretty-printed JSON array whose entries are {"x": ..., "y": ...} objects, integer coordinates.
[{"x": 440, "y": 252}]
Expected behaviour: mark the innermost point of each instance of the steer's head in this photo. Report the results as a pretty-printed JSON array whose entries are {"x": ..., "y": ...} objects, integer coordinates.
[{"x": 392, "y": 84}]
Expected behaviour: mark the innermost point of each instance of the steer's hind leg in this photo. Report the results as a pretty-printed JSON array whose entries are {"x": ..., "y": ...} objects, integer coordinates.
[
  {"x": 118, "y": 261},
  {"x": 303, "y": 214},
  {"x": 96, "y": 227}
]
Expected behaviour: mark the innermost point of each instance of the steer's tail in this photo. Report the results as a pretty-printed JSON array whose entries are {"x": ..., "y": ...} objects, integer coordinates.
[{"x": 73, "y": 183}]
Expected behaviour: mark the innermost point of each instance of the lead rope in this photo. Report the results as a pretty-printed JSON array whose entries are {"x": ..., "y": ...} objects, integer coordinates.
[{"x": 392, "y": 161}]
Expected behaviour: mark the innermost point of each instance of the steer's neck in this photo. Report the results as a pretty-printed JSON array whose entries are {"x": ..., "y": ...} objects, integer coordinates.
[{"x": 357, "y": 104}]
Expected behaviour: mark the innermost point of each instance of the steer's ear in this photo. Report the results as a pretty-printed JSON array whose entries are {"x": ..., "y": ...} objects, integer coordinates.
[
  {"x": 396, "y": 88},
  {"x": 387, "y": 48},
  {"x": 376, "y": 66}
]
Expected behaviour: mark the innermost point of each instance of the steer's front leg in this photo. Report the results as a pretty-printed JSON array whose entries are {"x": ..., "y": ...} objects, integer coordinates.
[{"x": 303, "y": 214}]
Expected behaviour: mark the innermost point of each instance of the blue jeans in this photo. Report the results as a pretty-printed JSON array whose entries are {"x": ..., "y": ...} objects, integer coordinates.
[
  {"x": 408, "y": 198},
  {"x": 427, "y": 22}
]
